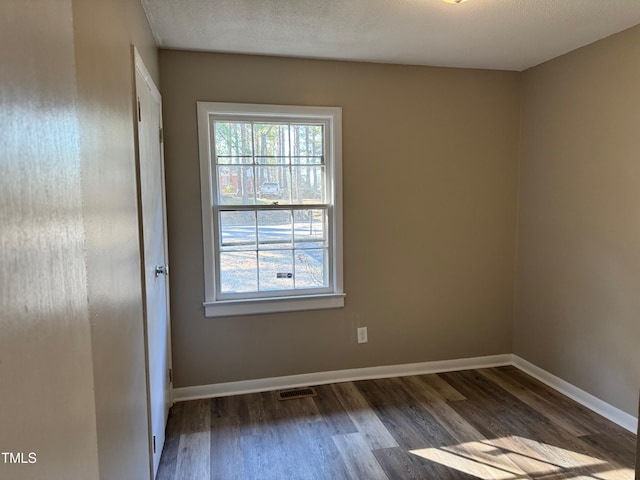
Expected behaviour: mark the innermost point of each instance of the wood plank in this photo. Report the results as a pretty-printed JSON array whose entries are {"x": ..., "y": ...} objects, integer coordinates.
[
  {"x": 194, "y": 457},
  {"x": 262, "y": 411},
  {"x": 439, "y": 388},
  {"x": 169, "y": 458},
  {"x": 293, "y": 446},
  {"x": 588, "y": 419},
  {"x": 232, "y": 406},
  {"x": 365, "y": 420},
  {"x": 530, "y": 452},
  {"x": 477, "y": 461},
  {"x": 337, "y": 418},
  {"x": 410, "y": 424},
  {"x": 549, "y": 409},
  {"x": 470, "y": 447},
  {"x": 319, "y": 453},
  {"x": 400, "y": 464},
  {"x": 262, "y": 457},
  {"x": 474, "y": 386},
  {"x": 358, "y": 458},
  {"x": 554, "y": 461},
  {"x": 268, "y": 444},
  {"x": 500, "y": 413},
  {"x": 437, "y": 406},
  {"x": 612, "y": 447},
  {"x": 290, "y": 443},
  {"x": 227, "y": 461}
]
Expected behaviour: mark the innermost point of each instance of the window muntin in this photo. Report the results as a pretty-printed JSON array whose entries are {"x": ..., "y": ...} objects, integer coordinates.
[{"x": 274, "y": 204}]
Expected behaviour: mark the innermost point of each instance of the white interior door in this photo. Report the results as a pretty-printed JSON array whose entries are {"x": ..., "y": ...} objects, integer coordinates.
[{"x": 154, "y": 241}]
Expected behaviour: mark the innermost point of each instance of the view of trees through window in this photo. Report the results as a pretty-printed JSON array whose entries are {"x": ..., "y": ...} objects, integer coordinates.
[
  {"x": 259, "y": 163},
  {"x": 275, "y": 238}
]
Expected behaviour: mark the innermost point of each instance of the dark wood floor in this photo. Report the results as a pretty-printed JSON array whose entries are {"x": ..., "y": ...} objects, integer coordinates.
[{"x": 494, "y": 423}]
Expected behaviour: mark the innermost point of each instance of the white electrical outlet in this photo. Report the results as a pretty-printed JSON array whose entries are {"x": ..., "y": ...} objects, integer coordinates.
[{"x": 362, "y": 335}]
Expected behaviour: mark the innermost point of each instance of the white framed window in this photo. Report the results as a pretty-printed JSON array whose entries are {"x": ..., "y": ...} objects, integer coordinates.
[{"x": 271, "y": 185}]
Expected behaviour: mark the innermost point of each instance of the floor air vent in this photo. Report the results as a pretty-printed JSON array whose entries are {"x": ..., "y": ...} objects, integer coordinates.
[{"x": 297, "y": 393}]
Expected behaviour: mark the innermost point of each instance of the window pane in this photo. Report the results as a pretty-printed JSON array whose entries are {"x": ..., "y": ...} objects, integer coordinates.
[
  {"x": 235, "y": 185},
  {"x": 274, "y": 229},
  {"x": 311, "y": 268},
  {"x": 310, "y": 228},
  {"x": 271, "y": 139},
  {"x": 238, "y": 272},
  {"x": 307, "y": 140},
  {"x": 274, "y": 184},
  {"x": 308, "y": 184},
  {"x": 233, "y": 139},
  {"x": 238, "y": 230},
  {"x": 276, "y": 270}
]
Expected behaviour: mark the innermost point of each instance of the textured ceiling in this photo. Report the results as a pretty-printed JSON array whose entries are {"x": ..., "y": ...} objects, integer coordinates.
[{"x": 494, "y": 34}]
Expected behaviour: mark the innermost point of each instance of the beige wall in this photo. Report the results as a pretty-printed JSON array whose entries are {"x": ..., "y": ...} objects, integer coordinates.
[
  {"x": 46, "y": 379},
  {"x": 430, "y": 160},
  {"x": 104, "y": 32},
  {"x": 577, "y": 309},
  {"x": 71, "y": 347}
]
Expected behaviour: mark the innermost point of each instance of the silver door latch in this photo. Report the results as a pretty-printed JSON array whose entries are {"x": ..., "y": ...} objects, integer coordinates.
[{"x": 162, "y": 270}]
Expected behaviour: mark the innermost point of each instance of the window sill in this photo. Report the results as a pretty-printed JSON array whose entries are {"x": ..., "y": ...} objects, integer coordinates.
[{"x": 231, "y": 308}]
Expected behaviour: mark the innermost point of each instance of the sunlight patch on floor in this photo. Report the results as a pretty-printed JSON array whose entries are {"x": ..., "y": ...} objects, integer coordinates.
[
  {"x": 526, "y": 448},
  {"x": 513, "y": 458},
  {"x": 615, "y": 474},
  {"x": 468, "y": 465}
]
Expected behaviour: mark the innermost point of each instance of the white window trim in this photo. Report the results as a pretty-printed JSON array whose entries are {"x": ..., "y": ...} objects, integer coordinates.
[{"x": 223, "y": 308}]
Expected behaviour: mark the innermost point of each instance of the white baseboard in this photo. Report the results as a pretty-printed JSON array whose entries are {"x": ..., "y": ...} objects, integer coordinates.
[
  {"x": 337, "y": 376},
  {"x": 608, "y": 411},
  {"x": 629, "y": 422}
]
